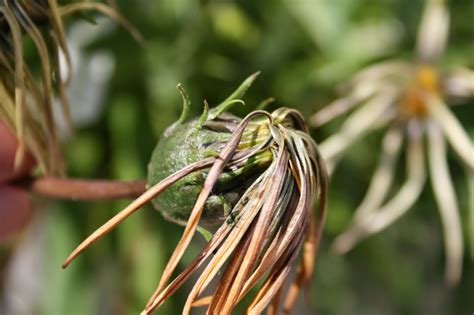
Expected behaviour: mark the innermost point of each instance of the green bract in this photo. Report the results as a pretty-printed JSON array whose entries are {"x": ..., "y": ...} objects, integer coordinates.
[
  {"x": 187, "y": 142},
  {"x": 184, "y": 144}
]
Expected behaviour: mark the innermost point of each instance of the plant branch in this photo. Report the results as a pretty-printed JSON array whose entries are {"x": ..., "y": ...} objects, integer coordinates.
[{"x": 85, "y": 189}]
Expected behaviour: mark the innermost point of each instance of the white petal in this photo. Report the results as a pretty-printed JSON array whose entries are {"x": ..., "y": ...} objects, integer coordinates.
[
  {"x": 358, "y": 93},
  {"x": 409, "y": 191},
  {"x": 448, "y": 207},
  {"x": 383, "y": 175},
  {"x": 459, "y": 83},
  {"x": 378, "y": 72},
  {"x": 397, "y": 206},
  {"x": 333, "y": 110},
  {"x": 470, "y": 187},
  {"x": 356, "y": 125},
  {"x": 433, "y": 31},
  {"x": 453, "y": 130}
]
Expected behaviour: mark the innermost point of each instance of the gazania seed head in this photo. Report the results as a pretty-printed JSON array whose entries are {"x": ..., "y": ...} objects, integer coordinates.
[
  {"x": 259, "y": 177},
  {"x": 186, "y": 143}
]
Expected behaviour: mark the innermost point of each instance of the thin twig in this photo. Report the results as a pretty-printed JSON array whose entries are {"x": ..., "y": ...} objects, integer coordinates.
[{"x": 86, "y": 189}]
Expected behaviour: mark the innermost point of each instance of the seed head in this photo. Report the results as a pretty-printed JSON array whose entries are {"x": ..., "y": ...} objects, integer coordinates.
[{"x": 257, "y": 178}]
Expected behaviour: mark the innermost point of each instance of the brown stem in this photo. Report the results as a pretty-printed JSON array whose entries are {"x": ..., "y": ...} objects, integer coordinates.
[{"x": 86, "y": 189}]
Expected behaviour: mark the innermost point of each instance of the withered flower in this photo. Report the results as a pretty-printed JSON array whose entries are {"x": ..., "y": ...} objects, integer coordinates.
[
  {"x": 409, "y": 99},
  {"x": 257, "y": 178},
  {"x": 26, "y": 104}
]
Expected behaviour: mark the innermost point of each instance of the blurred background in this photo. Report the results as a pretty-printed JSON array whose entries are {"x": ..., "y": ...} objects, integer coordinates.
[{"x": 124, "y": 95}]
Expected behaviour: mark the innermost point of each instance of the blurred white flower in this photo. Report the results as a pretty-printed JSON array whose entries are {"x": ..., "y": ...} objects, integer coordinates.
[{"x": 409, "y": 100}]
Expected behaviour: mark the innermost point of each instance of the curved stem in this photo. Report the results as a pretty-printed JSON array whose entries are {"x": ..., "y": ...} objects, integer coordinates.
[{"x": 86, "y": 189}]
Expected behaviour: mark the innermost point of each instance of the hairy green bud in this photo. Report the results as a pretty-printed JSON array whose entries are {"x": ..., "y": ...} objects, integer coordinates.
[{"x": 190, "y": 142}]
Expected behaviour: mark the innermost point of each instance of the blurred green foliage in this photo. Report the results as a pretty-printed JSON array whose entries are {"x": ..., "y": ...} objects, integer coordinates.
[{"x": 304, "y": 49}]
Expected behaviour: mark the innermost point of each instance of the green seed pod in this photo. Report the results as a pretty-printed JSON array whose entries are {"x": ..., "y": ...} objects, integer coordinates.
[{"x": 184, "y": 143}]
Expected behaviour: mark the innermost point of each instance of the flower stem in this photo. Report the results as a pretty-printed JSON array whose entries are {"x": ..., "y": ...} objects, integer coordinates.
[{"x": 86, "y": 189}]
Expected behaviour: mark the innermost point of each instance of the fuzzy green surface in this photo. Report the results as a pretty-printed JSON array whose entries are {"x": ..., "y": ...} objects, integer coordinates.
[{"x": 180, "y": 146}]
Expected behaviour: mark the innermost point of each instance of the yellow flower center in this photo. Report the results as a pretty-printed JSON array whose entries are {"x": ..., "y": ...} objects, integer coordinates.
[{"x": 426, "y": 81}]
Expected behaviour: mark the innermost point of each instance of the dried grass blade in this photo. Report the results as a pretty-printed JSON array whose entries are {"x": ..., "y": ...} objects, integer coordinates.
[
  {"x": 60, "y": 85},
  {"x": 258, "y": 238},
  {"x": 211, "y": 179},
  {"x": 137, "y": 204},
  {"x": 56, "y": 164},
  {"x": 248, "y": 213},
  {"x": 15, "y": 30},
  {"x": 275, "y": 281},
  {"x": 107, "y": 10},
  {"x": 225, "y": 251},
  {"x": 274, "y": 306},
  {"x": 221, "y": 303},
  {"x": 60, "y": 37},
  {"x": 158, "y": 297}
]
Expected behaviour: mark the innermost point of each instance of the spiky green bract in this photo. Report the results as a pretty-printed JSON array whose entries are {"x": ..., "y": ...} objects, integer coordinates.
[{"x": 190, "y": 142}]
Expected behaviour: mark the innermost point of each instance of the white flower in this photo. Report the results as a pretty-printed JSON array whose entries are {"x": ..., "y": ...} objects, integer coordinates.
[{"x": 409, "y": 100}]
